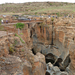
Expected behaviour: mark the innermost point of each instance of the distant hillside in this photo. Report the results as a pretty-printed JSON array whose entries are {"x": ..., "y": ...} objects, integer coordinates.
[{"x": 38, "y": 7}]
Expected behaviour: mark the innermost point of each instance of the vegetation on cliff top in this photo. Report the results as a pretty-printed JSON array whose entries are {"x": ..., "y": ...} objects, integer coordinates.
[
  {"x": 20, "y": 25},
  {"x": 37, "y": 8}
]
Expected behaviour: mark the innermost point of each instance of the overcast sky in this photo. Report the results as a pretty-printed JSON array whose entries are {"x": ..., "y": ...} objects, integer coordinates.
[{"x": 22, "y": 1}]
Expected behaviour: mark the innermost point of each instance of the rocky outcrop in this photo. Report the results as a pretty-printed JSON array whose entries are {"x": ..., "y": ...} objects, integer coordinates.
[
  {"x": 57, "y": 53},
  {"x": 17, "y": 59},
  {"x": 10, "y": 65},
  {"x": 51, "y": 70}
]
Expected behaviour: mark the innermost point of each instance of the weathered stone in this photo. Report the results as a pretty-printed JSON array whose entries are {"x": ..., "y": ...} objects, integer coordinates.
[
  {"x": 39, "y": 65},
  {"x": 64, "y": 73},
  {"x": 50, "y": 65},
  {"x": 55, "y": 69}
]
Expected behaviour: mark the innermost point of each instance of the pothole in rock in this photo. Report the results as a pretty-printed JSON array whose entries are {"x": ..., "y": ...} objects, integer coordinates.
[
  {"x": 33, "y": 51},
  {"x": 55, "y": 65},
  {"x": 50, "y": 58}
]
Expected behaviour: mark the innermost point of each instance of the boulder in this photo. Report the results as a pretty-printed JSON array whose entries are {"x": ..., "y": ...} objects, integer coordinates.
[{"x": 39, "y": 67}]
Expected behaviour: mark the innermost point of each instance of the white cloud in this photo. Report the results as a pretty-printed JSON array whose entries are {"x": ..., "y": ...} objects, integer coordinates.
[{"x": 22, "y": 1}]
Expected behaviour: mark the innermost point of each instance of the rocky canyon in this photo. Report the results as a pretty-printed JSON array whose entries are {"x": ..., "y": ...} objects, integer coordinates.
[{"x": 44, "y": 47}]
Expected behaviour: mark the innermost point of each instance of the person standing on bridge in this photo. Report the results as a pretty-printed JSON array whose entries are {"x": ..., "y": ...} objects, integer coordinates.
[
  {"x": 6, "y": 21},
  {"x": 2, "y": 21}
]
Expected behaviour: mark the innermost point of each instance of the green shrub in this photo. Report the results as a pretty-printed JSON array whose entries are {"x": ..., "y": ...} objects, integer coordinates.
[
  {"x": 11, "y": 50},
  {"x": 52, "y": 19},
  {"x": 51, "y": 4},
  {"x": 15, "y": 42},
  {"x": 23, "y": 50},
  {"x": 57, "y": 14},
  {"x": 21, "y": 33},
  {"x": 26, "y": 9},
  {"x": 20, "y": 25},
  {"x": 20, "y": 38},
  {"x": 35, "y": 13},
  {"x": 45, "y": 13}
]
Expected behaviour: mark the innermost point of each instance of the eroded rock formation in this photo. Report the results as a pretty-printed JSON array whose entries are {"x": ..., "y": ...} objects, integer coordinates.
[
  {"x": 43, "y": 45},
  {"x": 16, "y": 59}
]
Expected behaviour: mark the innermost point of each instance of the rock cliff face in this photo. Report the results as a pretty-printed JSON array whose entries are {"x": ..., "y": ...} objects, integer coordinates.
[
  {"x": 53, "y": 46},
  {"x": 52, "y": 43}
]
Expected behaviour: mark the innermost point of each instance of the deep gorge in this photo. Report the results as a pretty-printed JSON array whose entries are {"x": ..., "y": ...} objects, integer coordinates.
[{"x": 48, "y": 50}]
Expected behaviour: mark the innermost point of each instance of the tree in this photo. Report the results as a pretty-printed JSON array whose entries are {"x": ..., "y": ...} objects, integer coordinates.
[{"x": 19, "y": 26}]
